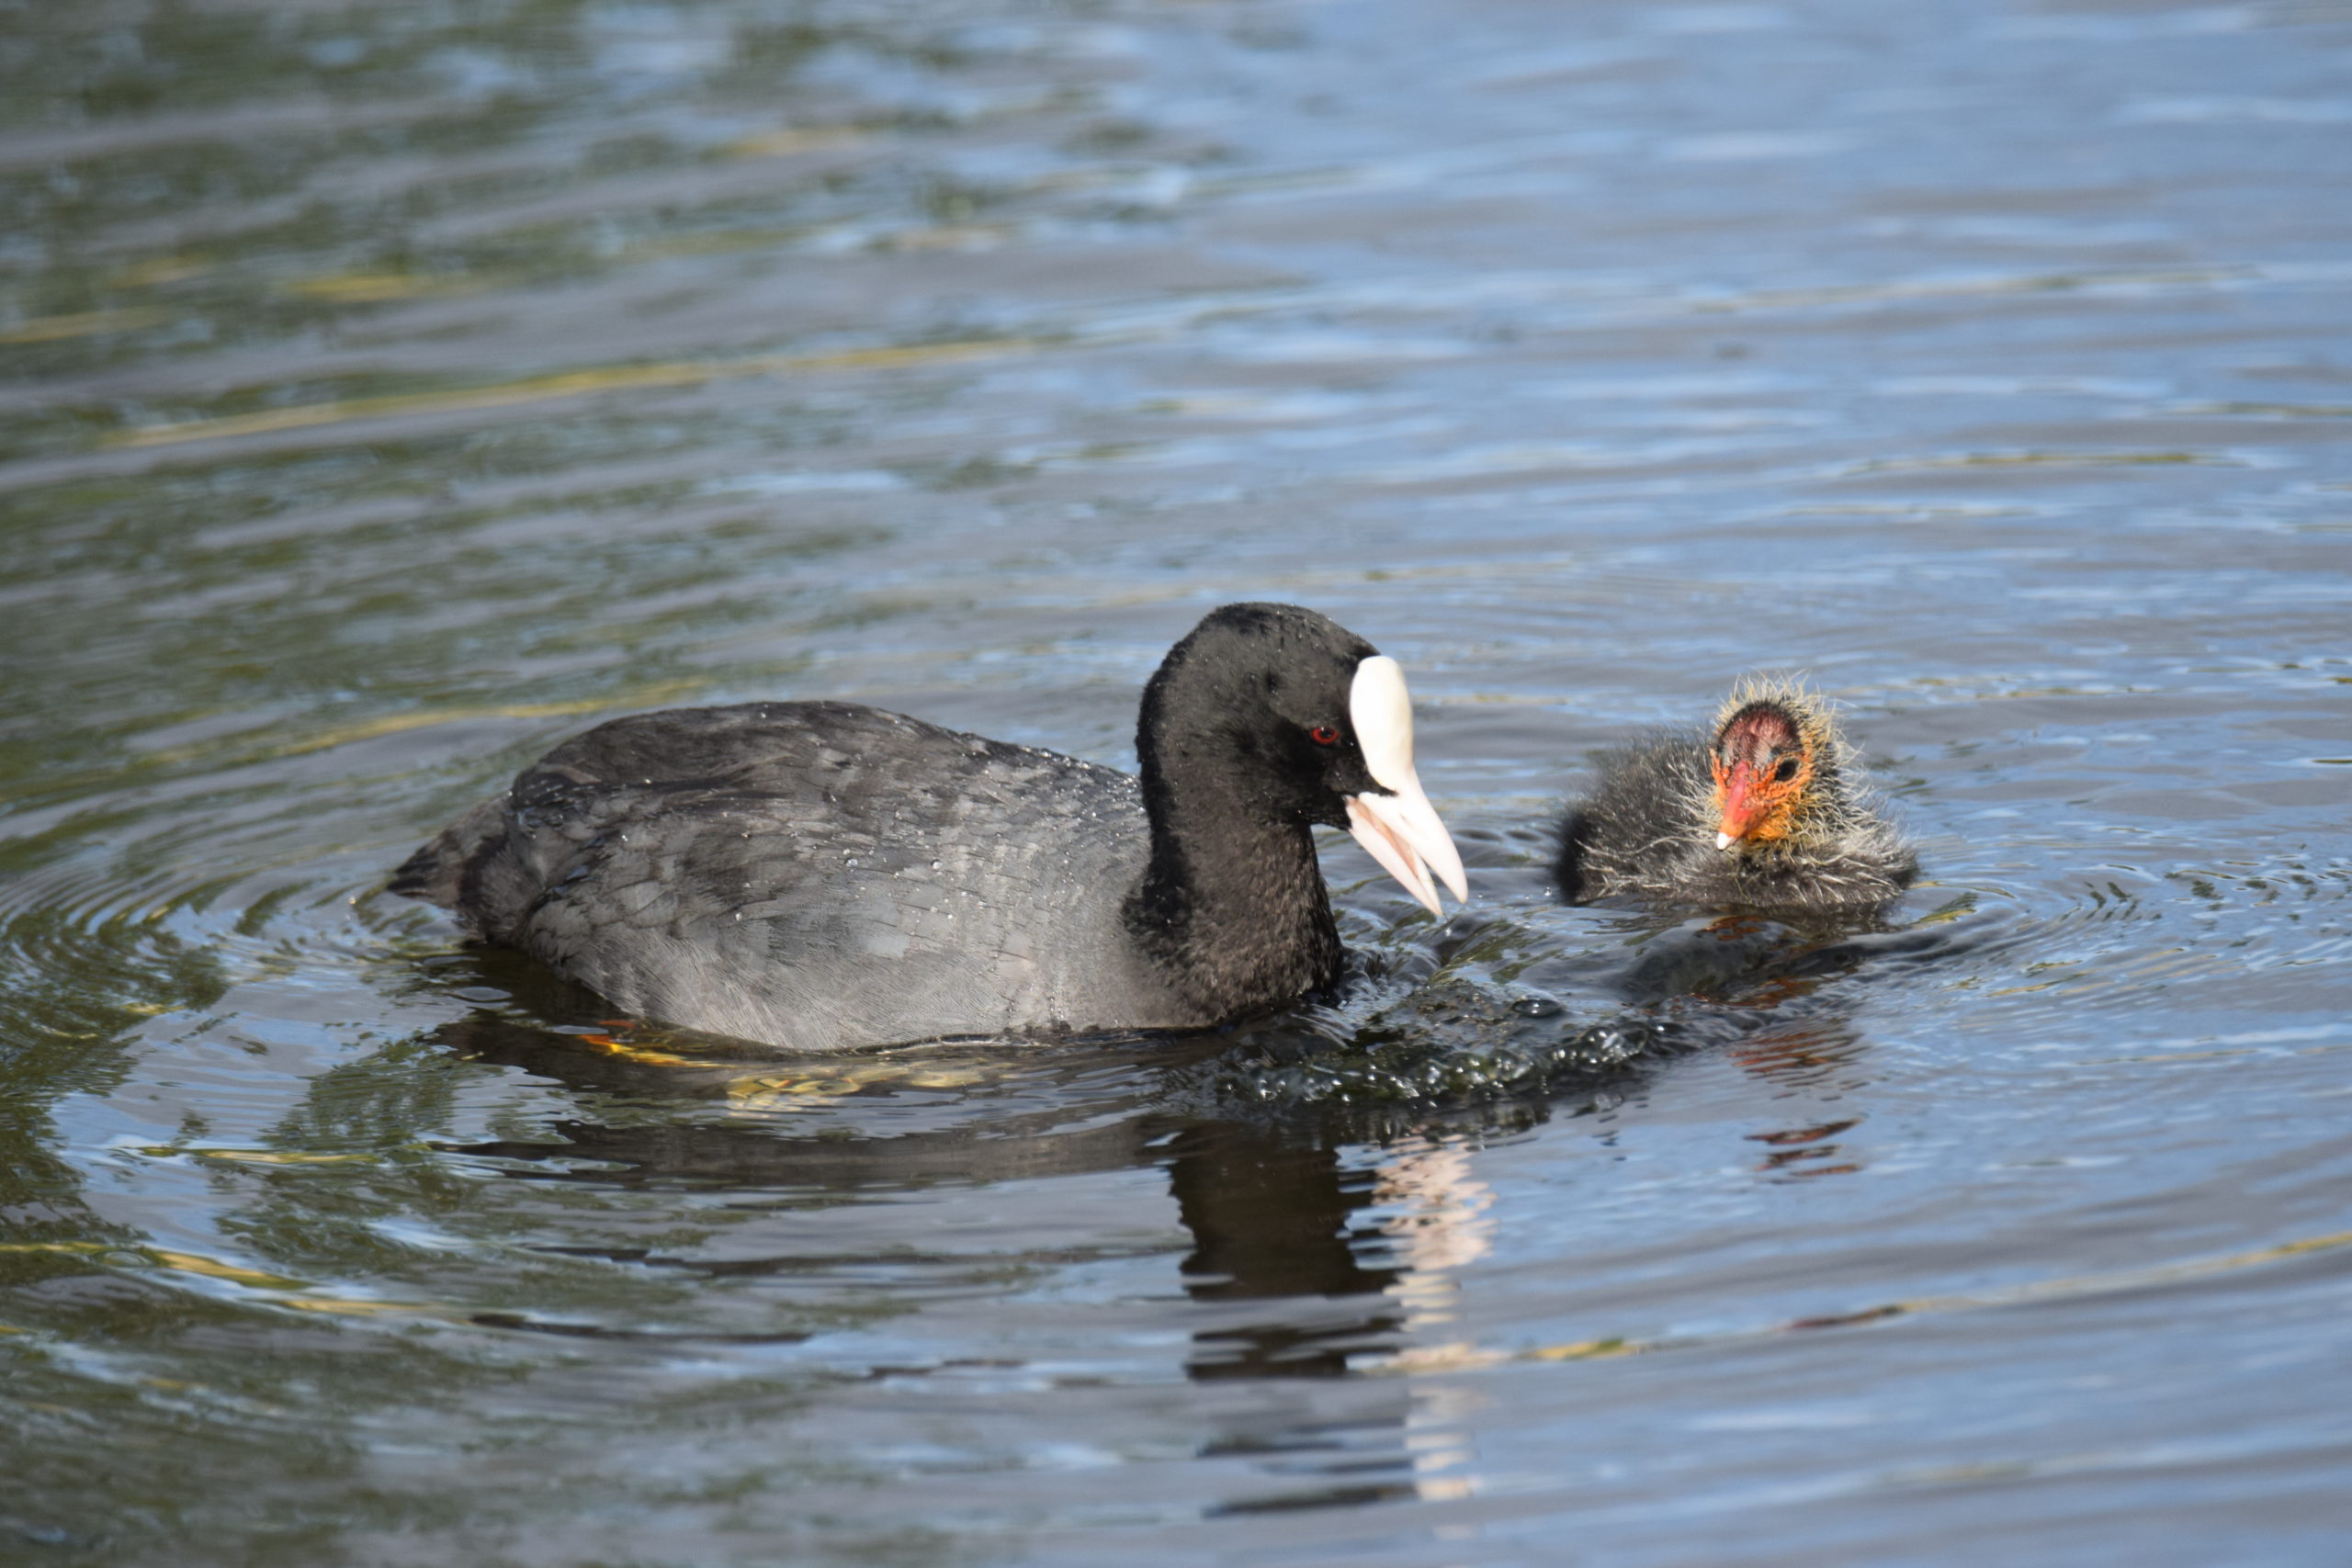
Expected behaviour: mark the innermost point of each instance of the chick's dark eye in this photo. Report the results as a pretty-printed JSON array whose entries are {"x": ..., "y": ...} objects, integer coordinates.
[
  {"x": 1786, "y": 771},
  {"x": 1324, "y": 735}
]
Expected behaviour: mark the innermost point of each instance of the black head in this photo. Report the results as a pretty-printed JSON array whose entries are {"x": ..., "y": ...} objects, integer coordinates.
[
  {"x": 1254, "y": 703},
  {"x": 1272, "y": 717}
]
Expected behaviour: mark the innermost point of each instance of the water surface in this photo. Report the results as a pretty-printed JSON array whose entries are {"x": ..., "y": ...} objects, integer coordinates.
[{"x": 387, "y": 392}]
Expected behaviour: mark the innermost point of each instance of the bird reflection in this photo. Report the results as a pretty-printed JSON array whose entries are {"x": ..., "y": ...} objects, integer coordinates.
[
  {"x": 1759, "y": 990},
  {"x": 1437, "y": 1222},
  {"x": 1271, "y": 1219},
  {"x": 1383, "y": 1267},
  {"x": 1274, "y": 1215},
  {"x": 1309, "y": 1253},
  {"x": 1817, "y": 1051},
  {"x": 751, "y": 1145}
]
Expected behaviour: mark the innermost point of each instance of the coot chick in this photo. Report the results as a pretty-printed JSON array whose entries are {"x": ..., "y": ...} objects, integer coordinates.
[
  {"x": 1767, "y": 809},
  {"x": 818, "y": 875}
]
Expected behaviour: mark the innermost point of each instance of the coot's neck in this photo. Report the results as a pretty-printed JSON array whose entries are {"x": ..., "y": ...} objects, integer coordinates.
[{"x": 1231, "y": 907}]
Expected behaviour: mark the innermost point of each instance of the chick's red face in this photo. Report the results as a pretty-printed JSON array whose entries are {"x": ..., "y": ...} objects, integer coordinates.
[{"x": 1762, "y": 767}]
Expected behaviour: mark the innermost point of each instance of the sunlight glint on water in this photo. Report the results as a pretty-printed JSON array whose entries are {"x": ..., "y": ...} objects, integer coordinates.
[{"x": 390, "y": 394}]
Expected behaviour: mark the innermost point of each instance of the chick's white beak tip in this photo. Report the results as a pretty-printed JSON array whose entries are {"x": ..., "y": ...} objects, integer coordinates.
[{"x": 1724, "y": 840}]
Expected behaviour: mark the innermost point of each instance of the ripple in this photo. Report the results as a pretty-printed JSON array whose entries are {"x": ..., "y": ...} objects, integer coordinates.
[{"x": 374, "y": 380}]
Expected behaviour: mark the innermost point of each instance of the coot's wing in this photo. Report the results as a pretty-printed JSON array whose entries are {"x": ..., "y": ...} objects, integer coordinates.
[
  {"x": 812, "y": 874},
  {"x": 492, "y": 865}
]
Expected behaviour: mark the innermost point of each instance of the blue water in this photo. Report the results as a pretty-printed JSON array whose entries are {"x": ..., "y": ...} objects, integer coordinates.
[{"x": 387, "y": 393}]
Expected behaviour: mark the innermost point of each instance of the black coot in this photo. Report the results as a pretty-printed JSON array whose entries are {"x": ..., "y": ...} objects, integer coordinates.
[
  {"x": 1767, "y": 809},
  {"x": 819, "y": 874}
]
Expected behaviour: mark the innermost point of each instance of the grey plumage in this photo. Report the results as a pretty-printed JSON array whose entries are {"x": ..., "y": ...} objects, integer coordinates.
[
  {"x": 800, "y": 872},
  {"x": 816, "y": 874}
]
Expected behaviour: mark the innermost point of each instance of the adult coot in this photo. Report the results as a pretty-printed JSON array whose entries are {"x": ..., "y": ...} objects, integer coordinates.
[
  {"x": 1767, "y": 809},
  {"x": 818, "y": 874}
]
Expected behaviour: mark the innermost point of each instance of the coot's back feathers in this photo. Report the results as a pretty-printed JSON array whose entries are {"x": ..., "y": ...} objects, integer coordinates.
[
  {"x": 795, "y": 872},
  {"x": 1768, "y": 808},
  {"x": 818, "y": 875}
]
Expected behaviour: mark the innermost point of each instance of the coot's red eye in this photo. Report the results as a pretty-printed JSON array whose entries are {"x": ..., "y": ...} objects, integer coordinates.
[{"x": 1324, "y": 735}]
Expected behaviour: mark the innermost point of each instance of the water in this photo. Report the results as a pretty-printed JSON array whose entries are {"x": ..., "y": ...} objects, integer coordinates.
[{"x": 390, "y": 391}]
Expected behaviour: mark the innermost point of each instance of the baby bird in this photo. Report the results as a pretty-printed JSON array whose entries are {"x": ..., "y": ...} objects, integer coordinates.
[{"x": 1769, "y": 809}]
